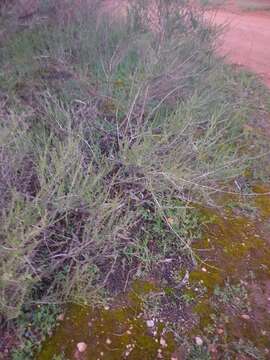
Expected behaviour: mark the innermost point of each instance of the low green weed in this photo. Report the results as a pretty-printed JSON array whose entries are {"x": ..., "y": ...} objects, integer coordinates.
[
  {"x": 33, "y": 325},
  {"x": 234, "y": 295}
]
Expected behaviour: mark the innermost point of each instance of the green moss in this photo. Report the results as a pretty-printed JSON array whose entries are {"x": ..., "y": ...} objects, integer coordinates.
[
  {"x": 108, "y": 332},
  {"x": 209, "y": 279},
  {"x": 205, "y": 312},
  {"x": 138, "y": 290},
  {"x": 262, "y": 201},
  {"x": 233, "y": 247},
  {"x": 233, "y": 244}
]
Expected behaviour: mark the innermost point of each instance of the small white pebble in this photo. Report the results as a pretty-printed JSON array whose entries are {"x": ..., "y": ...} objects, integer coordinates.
[
  {"x": 81, "y": 346},
  {"x": 150, "y": 323},
  {"x": 198, "y": 341},
  {"x": 245, "y": 317},
  {"x": 204, "y": 269},
  {"x": 163, "y": 342},
  {"x": 108, "y": 341}
]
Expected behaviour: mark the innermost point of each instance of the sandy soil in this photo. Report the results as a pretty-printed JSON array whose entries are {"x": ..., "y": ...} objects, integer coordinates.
[{"x": 246, "y": 40}]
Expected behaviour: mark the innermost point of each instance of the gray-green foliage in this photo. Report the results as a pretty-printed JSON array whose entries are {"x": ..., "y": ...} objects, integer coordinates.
[
  {"x": 104, "y": 120},
  {"x": 199, "y": 353}
]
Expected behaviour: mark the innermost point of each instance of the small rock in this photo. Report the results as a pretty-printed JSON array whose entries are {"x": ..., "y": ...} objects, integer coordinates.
[
  {"x": 162, "y": 342},
  {"x": 81, "y": 346},
  {"x": 108, "y": 341},
  {"x": 220, "y": 331},
  {"x": 61, "y": 317},
  {"x": 150, "y": 323},
  {"x": 174, "y": 358},
  {"x": 245, "y": 317},
  {"x": 199, "y": 341}
]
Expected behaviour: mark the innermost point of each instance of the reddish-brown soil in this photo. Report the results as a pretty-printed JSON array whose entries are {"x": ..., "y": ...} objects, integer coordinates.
[{"x": 246, "y": 39}]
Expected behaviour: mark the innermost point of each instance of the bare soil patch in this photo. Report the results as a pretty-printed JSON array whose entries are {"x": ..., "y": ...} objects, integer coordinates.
[{"x": 246, "y": 39}]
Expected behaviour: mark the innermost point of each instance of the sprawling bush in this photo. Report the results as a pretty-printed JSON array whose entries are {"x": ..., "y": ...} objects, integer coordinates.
[{"x": 111, "y": 125}]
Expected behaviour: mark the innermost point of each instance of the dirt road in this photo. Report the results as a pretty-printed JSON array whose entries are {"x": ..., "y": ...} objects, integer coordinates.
[{"x": 246, "y": 40}]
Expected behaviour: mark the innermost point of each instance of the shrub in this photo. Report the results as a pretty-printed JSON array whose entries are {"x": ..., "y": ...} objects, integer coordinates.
[{"x": 104, "y": 121}]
